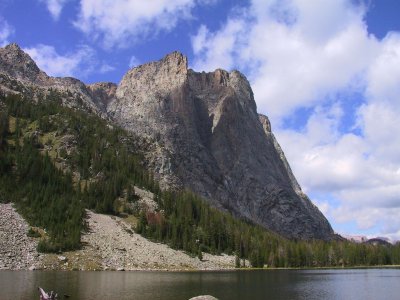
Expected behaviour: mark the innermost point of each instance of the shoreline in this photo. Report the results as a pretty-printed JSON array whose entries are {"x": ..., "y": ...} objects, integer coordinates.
[
  {"x": 222, "y": 270},
  {"x": 211, "y": 271},
  {"x": 111, "y": 245}
]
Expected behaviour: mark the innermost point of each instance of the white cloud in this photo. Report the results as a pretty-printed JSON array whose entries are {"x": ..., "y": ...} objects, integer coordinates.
[
  {"x": 384, "y": 72},
  {"x": 6, "y": 30},
  {"x": 316, "y": 54},
  {"x": 380, "y": 122},
  {"x": 323, "y": 206},
  {"x": 354, "y": 170},
  {"x": 123, "y": 22},
  {"x": 207, "y": 2},
  {"x": 105, "y": 68},
  {"x": 305, "y": 54},
  {"x": 216, "y": 50},
  {"x": 55, "y": 7},
  {"x": 79, "y": 63}
]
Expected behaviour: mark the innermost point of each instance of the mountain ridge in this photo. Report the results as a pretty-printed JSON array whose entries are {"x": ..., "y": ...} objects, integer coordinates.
[
  {"x": 205, "y": 133},
  {"x": 21, "y": 75}
]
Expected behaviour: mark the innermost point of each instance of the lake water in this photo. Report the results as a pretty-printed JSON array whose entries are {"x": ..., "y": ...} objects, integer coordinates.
[{"x": 264, "y": 284}]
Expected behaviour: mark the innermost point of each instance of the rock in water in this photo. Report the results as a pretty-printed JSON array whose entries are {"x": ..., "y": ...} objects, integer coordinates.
[
  {"x": 205, "y": 297},
  {"x": 208, "y": 137}
]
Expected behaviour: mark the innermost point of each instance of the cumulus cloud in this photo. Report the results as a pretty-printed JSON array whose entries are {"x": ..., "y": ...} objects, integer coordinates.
[
  {"x": 55, "y": 7},
  {"x": 79, "y": 63},
  {"x": 123, "y": 22},
  {"x": 351, "y": 169},
  {"x": 105, "y": 68},
  {"x": 384, "y": 72},
  {"x": 216, "y": 50},
  {"x": 282, "y": 42},
  {"x": 301, "y": 54},
  {"x": 6, "y": 30}
]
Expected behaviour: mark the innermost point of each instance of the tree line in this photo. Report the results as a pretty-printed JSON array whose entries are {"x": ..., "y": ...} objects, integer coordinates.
[{"x": 187, "y": 222}]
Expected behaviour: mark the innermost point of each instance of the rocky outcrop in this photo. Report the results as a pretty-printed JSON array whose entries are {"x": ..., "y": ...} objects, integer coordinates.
[{"x": 211, "y": 140}]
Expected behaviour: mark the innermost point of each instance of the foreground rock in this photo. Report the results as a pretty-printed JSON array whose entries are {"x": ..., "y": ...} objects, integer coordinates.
[
  {"x": 17, "y": 250},
  {"x": 205, "y": 297}
]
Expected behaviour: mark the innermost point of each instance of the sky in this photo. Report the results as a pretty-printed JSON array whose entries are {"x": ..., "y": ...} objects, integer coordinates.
[{"x": 326, "y": 73}]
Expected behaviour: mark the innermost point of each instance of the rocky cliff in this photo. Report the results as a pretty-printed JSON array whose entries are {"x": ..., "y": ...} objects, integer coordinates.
[
  {"x": 203, "y": 133},
  {"x": 210, "y": 139}
]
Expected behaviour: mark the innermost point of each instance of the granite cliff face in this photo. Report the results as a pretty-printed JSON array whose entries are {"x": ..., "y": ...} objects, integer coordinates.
[
  {"x": 202, "y": 132},
  {"x": 209, "y": 138}
]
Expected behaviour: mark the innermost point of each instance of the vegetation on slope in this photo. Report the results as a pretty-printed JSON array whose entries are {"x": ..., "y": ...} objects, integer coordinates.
[
  {"x": 56, "y": 161},
  {"x": 43, "y": 194},
  {"x": 186, "y": 222}
]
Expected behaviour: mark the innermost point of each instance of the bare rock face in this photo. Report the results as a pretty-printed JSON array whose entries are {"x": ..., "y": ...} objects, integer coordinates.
[
  {"x": 102, "y": 93},
  {"x": 210, "y": 139}
]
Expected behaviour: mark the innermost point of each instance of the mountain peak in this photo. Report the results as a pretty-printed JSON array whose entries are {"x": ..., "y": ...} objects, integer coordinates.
[
  {"x": 167, "y": 74},
  {"x": 20, "y": 72},
  {"x": 177, "y": 61},
  {"x": 17, "y": 63},
  {"x": 175, "y": 55},
  {"x": 13, "y": 46}
]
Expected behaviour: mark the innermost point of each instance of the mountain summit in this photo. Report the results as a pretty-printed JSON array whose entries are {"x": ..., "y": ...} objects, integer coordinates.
[
  {"x": 202, "y": 133},
  {"x": 210, "y": 139}
]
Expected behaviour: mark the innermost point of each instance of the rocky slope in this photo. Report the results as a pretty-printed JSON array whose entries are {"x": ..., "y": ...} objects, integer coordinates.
[
  {"x": 117, "y": 247},
  {"x": 109, "y": 244},
  {"x": 17, "y": 250},
  {"x": 210, "y": 139},
  {"x": 203, "y": 132}
]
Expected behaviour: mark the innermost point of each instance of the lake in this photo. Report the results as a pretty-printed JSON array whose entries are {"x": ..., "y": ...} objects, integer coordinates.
[{"x": 263, "y": 284}]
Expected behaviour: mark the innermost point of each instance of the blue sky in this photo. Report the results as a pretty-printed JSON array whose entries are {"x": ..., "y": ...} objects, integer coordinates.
[{"x": 326, "y": 72}]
